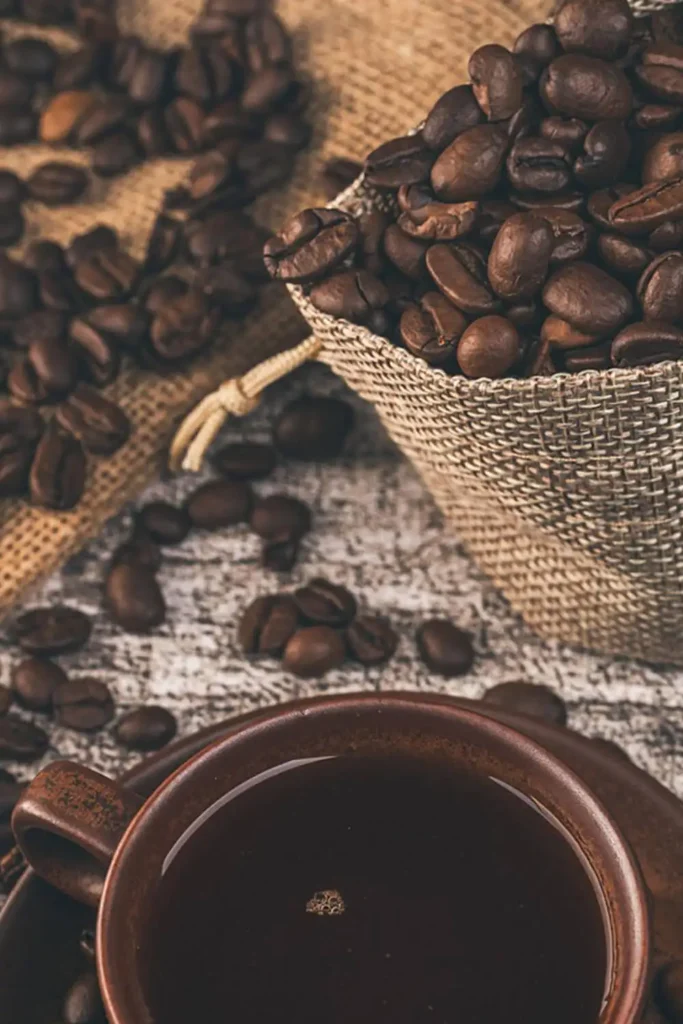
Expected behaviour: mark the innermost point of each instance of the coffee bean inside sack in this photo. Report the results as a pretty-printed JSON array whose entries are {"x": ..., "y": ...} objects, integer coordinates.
[{"x": 536, "y": 218}]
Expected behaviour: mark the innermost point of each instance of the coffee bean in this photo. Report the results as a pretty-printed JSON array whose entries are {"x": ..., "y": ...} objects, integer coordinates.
[
  {"x": 102, "y": 238},
  {"x": 20, "y": 740},
  {"x": 34, "y": 682},
  {"x": 657, "y": 117},
  {"x": 267, "y": 89},
  {"x": 267, "y": 625},
  {"x": 280, "y": 556},
  {"x": 444, "y": 648},
  {"x": 79, "y": 68},
  {"x": 593, "y": 357},
  {"x": 490, "y": 347},
  {"x": 24, "y": 384},
  {"x": 664, "y": 159},
  {"x": 57, "y": 476},
  {"x": 148, "y": 78},
  {"x": 133, "y": 598},
  {"x": 220, "y": 503},
  {"x": 57, "y": 183},
  {"x": 16, "y": 456},
  {"x": 287, "y": 130},
  {"x": 660, "y": 288},
  {"x": 313, "y": 428},
  {"x": 266, "y": 41},
  {"x": 184, "y": 327},
  {"x": 205, "y": 74},
  {"x": 31, "y": 58},
  {"x": 432, "y": 328},
  {"x": 15, "y": 90},
  {"x": 139, "y": 550},
  {"x": 225, "y": 235},
  {"x": 371, "y": 640},
  {"x": 622, "y": 256},
  {"x": 460, "y": 273},
  {"x": 185, "y": 124},
  {"x": 564, "y": 335},
  {"x": 99, "y": 424},
  {"x": 162, "y": 291},
  {"x": 152, "y": 134},
  {"x": 528, "y": 699},
  {"x": 146, "y": 728},
  {"x": 431, "y": 219},
  {"x": 97, "y": 354},
  {"x": 518, "y": 262},
  {"x": 644, "y": 344},
  {"x": 661, "y": 71},
  {"x": 571, "y": 235},
  {"x": 538, "y": 42},
  {"x": 496, "y": 81},
  {"x": 323, "y": 603},
  {"x": 455, "y": 112},
  {"x": 587, "y": 88},
  {"x": 228, "y": 121},
  {"x": 647, "y": 208},
  {"x": 163, "y": 244},
  {"x": 107, "y": 274},
  {"x": 669, "y": 991},
  {"x": 45, "y": 256},
  {"x": 568, "y": 131},
  {"x": 245, "y": 461},
  {"x": 539, "y": 165},
  {"x": 601, "y": 29},
  {"x": 588, "y": 298},
  {"x": 59, "y": 629},
  {"x": 53, "y": 363},
  {"x": 115, "y": 154},
  {"x": 405, "y": 253},
  {"x": 126, "y": 326},
  {"x": 310, "y": 245},
  {"x": 402, "y": 161},
  {"x": 105, "y": 115},
  {"x": 60, "y": 118},
  {"x": 607, "y": 147},
  {"x": 471, "y": 165},
  {"x": 600, "y": 203},
  {"x": 338, "y": 173},
  {"x": 354, "y": 295},
  {"x": 164, "y": 523},
  {"x": 17, "y": 125},
  {"x": 280, "y": 518},
  {"x": 314, "y": 651},
  {"x": 18, "y": 289},
  {"x": 83, "y": 1004}
]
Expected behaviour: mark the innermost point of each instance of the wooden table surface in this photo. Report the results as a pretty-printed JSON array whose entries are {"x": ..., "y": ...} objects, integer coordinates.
[{"x": 378, "y": 532}]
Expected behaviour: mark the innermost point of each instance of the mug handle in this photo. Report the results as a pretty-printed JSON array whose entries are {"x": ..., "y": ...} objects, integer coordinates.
[{"x": 68, "y": 823}]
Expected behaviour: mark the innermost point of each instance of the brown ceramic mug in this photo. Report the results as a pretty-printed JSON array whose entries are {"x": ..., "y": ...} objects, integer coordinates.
[{"x": 87, "y": 836}]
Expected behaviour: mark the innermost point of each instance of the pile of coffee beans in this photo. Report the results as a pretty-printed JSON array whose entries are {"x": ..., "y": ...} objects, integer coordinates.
[
  {"x": 70, "y": 316},
  {"x": 537, "y": 220}
]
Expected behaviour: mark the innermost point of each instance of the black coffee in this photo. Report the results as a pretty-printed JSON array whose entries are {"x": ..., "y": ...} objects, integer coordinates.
[{"x": 366, "y": 890}]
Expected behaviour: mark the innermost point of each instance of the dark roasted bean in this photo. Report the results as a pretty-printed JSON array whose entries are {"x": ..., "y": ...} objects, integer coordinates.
[
  {"x": 314, "y": 651},
  {"x": 107, "y": 274},
  {"x": 57, "y": 476},
  {"x": 97, "y": 354},
  {"x": 280, "y": 518},
  {"x": 520, "y": 257},
  {"x": 59, "y": 629},
  {"x": 460, "y": 273},
  {"x": 528, "y": 699},
  {"x": 164, "y": 523},
  {"x": 246, "y": 461},
  {"x": 538, "y": 42},
  {"x": 623, "y": 256},
  {"x": 496, "y": 81},
  {"x": 323, "y": 603},
  {"x": 571, "y": 235},
  {"x": 354, "y": 295},
  {"x": 602, "y": 28},
  {"x": 643, "y": 344},
  {"x": 539, "y": 165},
  {"x": 84, "y": 704},
  {"x": 313, "y": 428},
  {"x": 586, "y": 87},
  {"x": 133, "y": 598},
  {"x": 104, "y": 115},
  {"x": 34, "y": 682},
  {"x": 588, "y": 298},
  {"x": 660, "y": 289},
  {"x": 371, "y": 640},
  {"x": 57, "y": 183},
  {"x": 431, "y": 329},
  {"x": 20, "y": 740},
  {"x": 18, "y": 289},
  {"x": 661, "y": 71},
  {"x": 267, "y": 625},
  {"x": 100, "y": 238},
  {"x": 185, "y": 124},
  {"x": 220, "y": 503},
  {"x": 311, "y": 245},
  {"x": 489, "y": 347},
  {"x": 184, "y": 327},
  {"x": 99, "y": 424},
  {"x": 139, "y": 550},
  {"x": 647, "y": 208},
  {"x": 407, "y": 254},
  {"x": 471, "y": 165},
  {"x": 664, "y": 159},
  {"x": 563, "y": 335},
  {"x": 444, "y": 648},
  {"x": 455, "y": 112},
  {"x": 115, "y": 154},
  {"x": 606, "y": 151},
  {"x": 592, "y": 357},
  {"x": 146, "y": 728}
]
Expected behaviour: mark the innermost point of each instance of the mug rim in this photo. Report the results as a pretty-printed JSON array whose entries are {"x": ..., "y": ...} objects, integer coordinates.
[{"x": 628, "y": 900}]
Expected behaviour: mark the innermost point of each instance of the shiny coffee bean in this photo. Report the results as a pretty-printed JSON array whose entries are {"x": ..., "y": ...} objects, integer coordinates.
[
  {"x": 164, "y": 523},
  {"x": 586, "y": 87},
  {"x": 371, "y": 640},
  {"x": 267, "y": 625},
  {"x": 57, "y": 476},
  {"x": 539, "y": 165},
  {"x": 313, "y": 651},
  {"x": 528, "y": 699},
  {"x": 219, "y": 503},
  {"x": 600, "y": 203},
  {"x": 660, "y": 289},
  {"x": 602, "y": 28},
  {"x": 431, "y": 329},
  {"x": 647, "y": 208},
  {"x": 661, "y": 71},
  {"x": 519, "y": 260},
  {"x": 424, "y": 217},
  {"x": 99, "y": 239},
  {"x": 496, "y": 81},
  {"x": 95, "y": 351},
  {"x": 643, "y": 344},
  {"x": 567, "y": 131},
  {"x": 354, "y": 295},
  {"x": 311, "y": 245},
  {"x": 280, "y": 518},
  {"x": 405, "y": 253},
  {"x": 20, "y": 740},
  {"x": 152, "y": 134},
  {"x": 594, "y": 357},
  {"x": 657, "y": 117},
  {"x": 267, "y": 89},
  {"x": 105, "y": 116},
  {"x": 139, "y": 550},
  {"x": 162, "y": 245},
  {"x": 145, "y": 728},
  {"x": 313, "y": 428},
  {"x": 471, "y": 165},
  {"x": 115, "y": 154},
  {"x": 83, "y": 1004},
  {"x": 57, "y": 183},
  {"x": 41, "y": 325},
  {"x": 571, "y": 235},
  {"x": 161, "y": 292},
  {"x": 538, "y": 42},
  {"x": 664, "y": 159},
  {"x": 133, "y": 598},
  {"x": 245, "y": 461},
  {"x": 323, "y": 603},
  {"x": 83, "y": 704},
  {"x": 99, "y": 424},
  {"x": 623, "y": 256},
  {"x": 490, "y": 347},
  {"x": 231, "y": 235},
  {"x": 34, "y": 682},
  {"x": 607, "y": 147},
  {"x": 107, "y": 274},
  {"x": 24, "y": 384},
  {"x": 184, "y": 327},
  {"x": 588, "y": 298},
  {"x": 444, "y": 648},
  {"x": 59, "y": 629},
  {"x": 184, "y": 119},
  {"x": 563, "y": 335},
  {"x": 455, "y": 112},
  {"x": 460, "y": 273}
]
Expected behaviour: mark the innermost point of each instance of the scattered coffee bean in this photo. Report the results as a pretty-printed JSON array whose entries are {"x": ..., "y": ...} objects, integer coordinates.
[
  {"x": 371, "y": 640},
  {"x": 83, "y": 704},
  {"x": 57, "y": 476},
  {"x": 280, "y": 518},
  {"x": 219, "y": 503},
  {"x": 313, "y": 651},
  {"x": 245, "y": 461},
  {"x": 139, "y": 550},
  {"x": 146, "y": 728},
  {"x": 310, "y": 245},
  {"x": 528, "y": 699},
  {"x": 20, "y": 740},
  {"x": 99, "y": 424},
  {"x": 267, "y": 625},
  {"x": 647, "y": 343},
  {"x": 164, "y": 523},
  {"x": 59, "y": 629},
  {"x": 313, "y": 428},
  {"x": 323, "y": 603},
  {"x": 83, "y": 1003},
  {"x": 133, "y": 598},
  {"x": 34, "y": 682},
  {"x": 444, "y": 648},
  {"x": 57, "y": 183}
]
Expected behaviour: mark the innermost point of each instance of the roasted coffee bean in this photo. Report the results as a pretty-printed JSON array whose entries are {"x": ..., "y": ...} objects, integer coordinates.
[
  {"x": 107, "y": 274},
  {"x": 664, "y": 159},
  {"x": 455, "y": 112},
  {"x": 228, "y": 121},
  {"x": 567, "y": 131},
  {"x": 20, "y": 428},
  {"x": 528, "y": 699},
  {"x": 133, "y": 598},
  {"x": 17, "y": 125},
  {"x": 24, "y": 384},
  {"x": 104, "y": 115},
  {"x": 314, "y": 651},
  {"x": 371, "y": 640},
  {"x": 354, "y": 295},
  {"x": 12, "y": 224},
  {"x": 146, "y": 728},
  {"x": 311, "y": 245},
  {"x": 214, "y": 170},
  {"x": 261, "y": 165},
  {"x": 518, "y": 262},
  {"x": 62, "y": 115},
  {"x": 267, "y": 625},
  {"x": 326, "y": 604},
  {"x": 126, "y": 325},
  {"x": 313, "y": 428},
  {"x": 444, "y": 648},
  {"x": 56, "y": 183},
  {"x": 59, "y": 629},
  {"x": 11, "y": 188},
  {"x": 525, "y": 315},
  {"x": 185, "y": 124},
  {"x": 525, "y": 121},
  {"x": 162, "y": 291},
  {"x": 267, "y": 89},
  {"x": 593, "y": 357},
  {"x": 460, "y": 273},
  {"x": 54, "y": 364},
  {"x": 45, "y": 256},
  {"x": 97, "y": 355},
  {"x": 220, "y": 503},
  {"x": 661, "y": 71},
  {"x": 20, "y": 740},
  {"x": 606, "y": 151},
  {"x": 139, "y": 550},
  {"x": 657, "y": 117},
  {"x": 571, "y": 235},
  {"x": 280, "y": 518},
  {"x": 80, "y": 68},
  {"x": 431, "y": 329},
  {"x": 184, "y": 327},
  {"x": 18, "y": 289},
  {"x": 57, "y": 476},
  {"x": 148, "y": 77},
  {"x": 602, "y": 28},
  {"x": 669, "y": 991},
  {"x": 643, "y": 344},
  {"x": 163, "y": 244},
  {"x": 496, "y": 81},
  {"x": 372, "y": 225},
  {"x": 85, "y": 705},
  {"x": 115, "y": 154},
  {"x": 245, "y": 461},
  {"x": 647, "y": 208},
  {"x": 538, "y": 42},
  {"x": 31, "y": 58},
  {"x": 266, "y": 41},
  {"x": 15, "y": 90},
  {"x": 563, "y": 335},
  {"x": 100, "y": 238},
  {"x": 205, "y": 74},
  {"x": 405, "y": 253},
  {"x": 287, "y": 130},
  {"x": 622, "y": 256},
  {"x": 586, "y": 87},
  {"x": 228, "y": 235},
  {"x": 152, "y": 134},
  {"x": 539, "y": 165},
  {"x": 490, "y": 347},
  {"x": 338, "y": 173},
  {"x": 164, "y": 523},
  {"x": 24, "y": 424},
  {"x": 34, "y": 682},
  {"x": 600, "y": 203},
  {"x": 280, "y": 556},
  {"x": 471, "y": 165},
  {"x": 588, "y": 298},
  {"x": 439, "y": 221},
  {"x": 99, "y": 424},
  {"x": 660, "y": 289}
]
